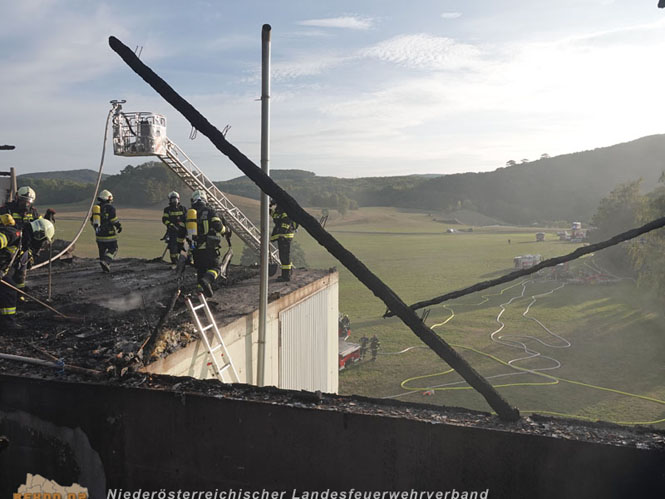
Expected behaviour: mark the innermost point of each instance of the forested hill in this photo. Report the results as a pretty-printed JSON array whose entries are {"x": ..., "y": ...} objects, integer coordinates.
[
  {"x": 83, "y": 176},
  {"x": 567, "y": 187}
]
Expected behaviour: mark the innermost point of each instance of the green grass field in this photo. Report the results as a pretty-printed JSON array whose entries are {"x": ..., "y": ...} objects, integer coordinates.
[{"x": 616, "y": 335}]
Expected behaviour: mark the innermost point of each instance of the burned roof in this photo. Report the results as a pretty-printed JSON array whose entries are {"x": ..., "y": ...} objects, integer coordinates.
[{"x": 110, "y": 316}]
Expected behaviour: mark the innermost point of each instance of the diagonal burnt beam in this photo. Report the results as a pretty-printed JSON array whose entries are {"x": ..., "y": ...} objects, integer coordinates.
[{"x": 346, "y": 258}]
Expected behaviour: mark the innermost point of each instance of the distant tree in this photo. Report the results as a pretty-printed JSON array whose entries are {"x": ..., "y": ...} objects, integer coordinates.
[
  {"x": 544, "y": 156},
  {"x": 616, "y": 213},
  {"x": 524, "y": 160},
  {"x": 511, "y": 162}
]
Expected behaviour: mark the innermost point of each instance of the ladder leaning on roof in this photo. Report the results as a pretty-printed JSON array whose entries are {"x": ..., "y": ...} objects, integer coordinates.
[{"x": 221, "y": 363}]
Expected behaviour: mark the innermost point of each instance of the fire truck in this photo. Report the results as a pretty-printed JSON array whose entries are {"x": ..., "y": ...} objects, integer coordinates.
[{"x": 349, "y": 353}]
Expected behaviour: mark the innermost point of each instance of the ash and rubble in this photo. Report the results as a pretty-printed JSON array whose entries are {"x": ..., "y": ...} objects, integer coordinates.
[
  {"x": 112, "y": 315},
  {"x": 115, "y": 314}
]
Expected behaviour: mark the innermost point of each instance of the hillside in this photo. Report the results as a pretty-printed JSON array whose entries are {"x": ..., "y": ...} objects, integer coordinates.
[
  {"x": 566, "y": 187},
  {"x": 563, "y": 188},
  {"x": 82, "y": 176}
]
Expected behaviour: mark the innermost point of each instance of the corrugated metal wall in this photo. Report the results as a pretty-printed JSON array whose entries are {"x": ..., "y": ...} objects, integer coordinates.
[{"x": 305, "y": 350}]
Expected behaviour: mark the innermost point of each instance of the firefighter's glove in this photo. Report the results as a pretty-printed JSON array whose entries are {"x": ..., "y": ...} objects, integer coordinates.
[
  {"x": 118, "y": 227},
  {"x": 50, "y": 215}
]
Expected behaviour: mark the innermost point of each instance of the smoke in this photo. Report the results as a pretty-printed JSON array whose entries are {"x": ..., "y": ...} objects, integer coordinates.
[{"x": 124, "y": 303}]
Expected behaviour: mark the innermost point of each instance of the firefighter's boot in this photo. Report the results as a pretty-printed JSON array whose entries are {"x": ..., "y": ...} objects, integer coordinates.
[
  {"x": 205, "y": 285},
  {"x": 286, "y": 276},
  {"x": 105, "y": 266},
  {"x": 8, "y": 323}
]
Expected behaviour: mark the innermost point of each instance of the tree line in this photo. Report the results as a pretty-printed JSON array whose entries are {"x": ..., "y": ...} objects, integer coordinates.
[{"x": 624, "y": 208}]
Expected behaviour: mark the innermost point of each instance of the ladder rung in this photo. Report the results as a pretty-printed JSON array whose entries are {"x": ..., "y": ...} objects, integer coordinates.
[
  {"x": 224, "y": 368},
  {"x": 206, "y": 328},
  {"x": 199, "y": 306},
  {"x": 215, "y": 348}
]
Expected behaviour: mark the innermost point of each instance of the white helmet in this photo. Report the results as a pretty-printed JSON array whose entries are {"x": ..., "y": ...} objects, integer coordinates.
[
  {"x": 198, "y": 195},
  {"x": 42, "y": 229},
  {"x": 27, "y": 194},
  {"x": 174, "y": 194},
  {"x": 105, "y": 196}
]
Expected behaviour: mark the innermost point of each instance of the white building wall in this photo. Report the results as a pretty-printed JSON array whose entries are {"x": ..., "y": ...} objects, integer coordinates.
[{"x": 306, "y": 358}]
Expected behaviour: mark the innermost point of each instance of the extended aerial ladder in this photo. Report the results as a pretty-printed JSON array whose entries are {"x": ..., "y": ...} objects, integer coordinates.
[{"x": 144, "y": 134}]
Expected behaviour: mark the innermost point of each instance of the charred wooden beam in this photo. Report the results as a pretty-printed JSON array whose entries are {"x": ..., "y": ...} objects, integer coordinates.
[{"x": 297, "y": 213}]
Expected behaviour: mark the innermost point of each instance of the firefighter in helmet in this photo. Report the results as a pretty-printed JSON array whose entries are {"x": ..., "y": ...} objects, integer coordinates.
[
  {"x": 23, "y": 212},
  {"x": 283, "y": 232},
  {"x": 207, "y": 242},
  {"x": 174, "y": 219},
  {"x": 22, "y": 209},
  {"x": 33, "y": 234},
  {"x": 107, "y": 227}
]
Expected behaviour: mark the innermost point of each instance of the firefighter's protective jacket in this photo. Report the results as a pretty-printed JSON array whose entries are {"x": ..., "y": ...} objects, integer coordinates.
[
  {"x": 209, "y": 227},
  {"x": 284, "y": 226},
  {"x": 10, "y": 239},
  {"x": 22, "y": 216},
  {"x": 109, "y": 225},
  {"x": 174, "y": 219}
]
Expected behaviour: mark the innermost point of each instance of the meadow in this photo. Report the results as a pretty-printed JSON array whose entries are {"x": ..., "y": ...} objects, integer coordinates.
[{"x": 591, "y": 350}]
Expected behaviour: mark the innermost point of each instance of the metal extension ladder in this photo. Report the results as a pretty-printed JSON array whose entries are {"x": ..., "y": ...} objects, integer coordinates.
[
  {"x": 221, "y": 362},
  {"x": 176, "y": 159}
]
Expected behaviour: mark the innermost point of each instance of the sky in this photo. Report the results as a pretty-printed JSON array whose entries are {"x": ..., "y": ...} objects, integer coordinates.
[{"x": 359, "y": 88}]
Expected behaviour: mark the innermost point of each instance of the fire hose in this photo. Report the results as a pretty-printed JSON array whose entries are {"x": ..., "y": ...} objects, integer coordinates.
[
  {"x": 92, "y": 202},
  {"x": 36, "y": 300}
]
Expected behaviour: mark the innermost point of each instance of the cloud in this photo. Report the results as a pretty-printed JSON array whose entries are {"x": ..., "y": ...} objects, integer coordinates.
[
  {"x": 426, "y": 52},
  {"x": 451, "y": 15},
  {"x": 348, "y": 22}
]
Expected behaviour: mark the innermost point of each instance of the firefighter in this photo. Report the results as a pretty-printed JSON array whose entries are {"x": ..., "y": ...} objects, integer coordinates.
[
  {"x": 374, "y": 345},
  {"x": 35, "y": 233},
  {"x": 23, "y": 212},
  {"x": 283, "y": 232},
  {"x": 363, "y": 346},
  {"x": 107, "y": 227},
  {"x": 22, "y": 209},
  {"x": 174, "y": 219},
  {"x": 207, "y": 242}
]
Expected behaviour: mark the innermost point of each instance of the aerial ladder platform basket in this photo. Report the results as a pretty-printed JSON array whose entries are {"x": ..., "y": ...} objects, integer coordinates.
[{"x": 144, "y": 134}]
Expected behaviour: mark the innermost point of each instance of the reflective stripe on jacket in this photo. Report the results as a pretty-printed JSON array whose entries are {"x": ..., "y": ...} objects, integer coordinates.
[
  {"x": 109, "y": 221},
  {"x": 20, "y": 216},
  {"x": 284, "y": 226}
]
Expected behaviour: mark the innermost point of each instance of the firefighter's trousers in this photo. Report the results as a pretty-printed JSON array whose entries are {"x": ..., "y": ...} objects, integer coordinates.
[
  {"x": 108, "y": 250},
  {"x": 176, "y": 245},
  {"x": 8, "y": 297},
  {"x": 284, "y": 247},
  {"x": 207, "y": 262}
]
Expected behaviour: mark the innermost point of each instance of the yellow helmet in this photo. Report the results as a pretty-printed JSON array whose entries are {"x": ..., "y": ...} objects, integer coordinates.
[
  {"x": 42, "y": 229},
  {"x": 7, "y": 220}
]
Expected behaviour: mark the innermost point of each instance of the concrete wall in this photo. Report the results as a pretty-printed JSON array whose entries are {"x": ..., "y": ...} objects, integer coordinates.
[
  {"x": 104, "y": 436},
  {"x": 241, "y": 340}
]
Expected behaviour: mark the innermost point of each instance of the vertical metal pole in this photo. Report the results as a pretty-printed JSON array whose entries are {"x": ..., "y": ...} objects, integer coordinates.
[
  {"x": 50, "y": 257},
  {"x": 265, "y": 234}
]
